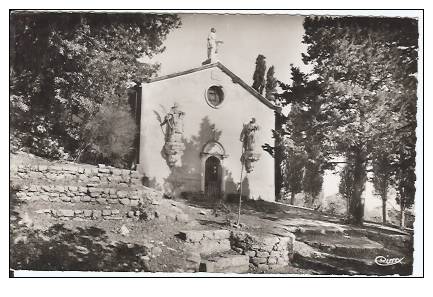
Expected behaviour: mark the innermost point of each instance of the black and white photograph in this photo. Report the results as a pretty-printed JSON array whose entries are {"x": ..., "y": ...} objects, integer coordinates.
[{"x": 215, "y": 143}]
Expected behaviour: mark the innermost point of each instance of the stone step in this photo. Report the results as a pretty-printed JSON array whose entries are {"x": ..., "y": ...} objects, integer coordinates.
[
  {"x": 225, "y": 262},
  {"x": 347, "y": 247},
  {"x": 325, "y": 263},
  {"x": 263, "y": 252},
  {"x": 199, "y": 235},
  {"x": 89, "y": 213},
  {"x": 83, "y": 214},
  {"x": 207, "y": 242},
  {"x": 315, "y": 230},
  {"x": 193, "y": 195},
  {"x": 207, "y": 247},
  {"x": 93, "y": 212},
  {"x": 319, "y": 266}
]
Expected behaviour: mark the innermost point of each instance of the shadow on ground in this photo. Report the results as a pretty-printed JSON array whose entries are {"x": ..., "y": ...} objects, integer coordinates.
[{"x": 61, "y": 249}]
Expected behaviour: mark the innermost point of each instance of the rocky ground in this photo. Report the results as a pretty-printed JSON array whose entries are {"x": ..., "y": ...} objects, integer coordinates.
[
  {"x": 323, "y": 244},
  {"x": 46, "y": 236}
]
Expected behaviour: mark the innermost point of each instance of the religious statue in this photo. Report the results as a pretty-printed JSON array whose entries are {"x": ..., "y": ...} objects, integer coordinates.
[
  {"x": 248, "y": 139},
  {"x": 173, "y": 147},
  {"x": 212, "y": 46}
]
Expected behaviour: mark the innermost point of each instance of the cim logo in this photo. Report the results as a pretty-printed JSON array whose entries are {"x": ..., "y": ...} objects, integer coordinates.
[{"x": 385, "y": 261}]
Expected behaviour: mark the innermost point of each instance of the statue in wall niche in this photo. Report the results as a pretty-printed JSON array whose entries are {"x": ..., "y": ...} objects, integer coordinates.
[
  {"x": 173, "y": 146},
  {"x": 248, "y": 135},
  {"x": 249, "y": 150}
]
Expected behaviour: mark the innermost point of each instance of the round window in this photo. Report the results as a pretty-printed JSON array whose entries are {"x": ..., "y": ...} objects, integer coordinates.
[{"x": 215, "y": 96}]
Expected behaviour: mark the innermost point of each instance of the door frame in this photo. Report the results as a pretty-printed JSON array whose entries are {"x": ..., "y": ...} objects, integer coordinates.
[
  {"x": 213, "y": 149},
  {"x": 219, "y": 175}
]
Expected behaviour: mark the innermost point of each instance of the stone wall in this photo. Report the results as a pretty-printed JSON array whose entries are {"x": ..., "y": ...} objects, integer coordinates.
[
  {"x": 265, "y": 252},
  {"x": 88, "y": 193},
  {"x": 262, "y": 252},
  {"x": 80, "y": 192},
  {"x": 83, "y": 214},
  {"x": 75, "y": 183},
  {"x": 70, "y": 173}
]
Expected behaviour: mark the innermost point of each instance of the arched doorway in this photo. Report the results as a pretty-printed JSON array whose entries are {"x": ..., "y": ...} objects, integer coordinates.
[
  {"x": 212, "y": 170},
  {"x": 213, "y": 178}
]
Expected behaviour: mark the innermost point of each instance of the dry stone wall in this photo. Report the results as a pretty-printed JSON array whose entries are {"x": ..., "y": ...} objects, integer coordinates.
[
  {"x": 91, "y": 188},
  {"x": 83, "y": 214},
  {"x": 76, "y": 174},
  {"x": 265, "y": 252},
  {"x": 74, "y": 183},
  {"x": 88, "y": 193}
]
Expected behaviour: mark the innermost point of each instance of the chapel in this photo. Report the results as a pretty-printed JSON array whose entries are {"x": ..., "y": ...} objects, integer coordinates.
[{"x": 197, "y": 125}]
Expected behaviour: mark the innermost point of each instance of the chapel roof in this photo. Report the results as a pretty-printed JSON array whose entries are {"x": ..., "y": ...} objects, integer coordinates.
[{"x": 234, "y": 77}]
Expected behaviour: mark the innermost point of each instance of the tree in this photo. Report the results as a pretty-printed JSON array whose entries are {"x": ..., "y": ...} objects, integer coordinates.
[
  {"x": 405, "y": 176},
  {"x": 277, "y": 152},
  {"x": 64, "y": 66},
  {"x": 299, "y": 160},
  {"x": 303, "y": 98},
  {"x": 293, "y": 134},
  {"x": 382, "y": 175},
  {"x": 259, "y": 74},
  {"x": 313, "y": 178},
  {"x": 346, "y": 186},
  {"x": 271, "y": 84},
  {"x": 365, "y": 68},
  {"x": 293, "y": 165}
]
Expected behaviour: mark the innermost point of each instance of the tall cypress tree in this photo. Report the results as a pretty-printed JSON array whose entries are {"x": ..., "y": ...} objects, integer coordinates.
[
  {"x": 271, "y": 84},
  {"x": 259, "y": 74}
]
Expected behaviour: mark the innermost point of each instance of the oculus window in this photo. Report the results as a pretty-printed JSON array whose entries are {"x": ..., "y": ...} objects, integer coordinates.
[{"x": 215, "y": 96}]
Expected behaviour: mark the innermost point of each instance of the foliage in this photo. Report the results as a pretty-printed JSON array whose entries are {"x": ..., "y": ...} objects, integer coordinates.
[
  {"x": 109, "y": 136},
  {"x": 302, "y": 97},
  {"x": 271, "y": 84},
  {"x": 64, "y": 66},
  {"x": 145, "y": 211},
  {"x": 259, "y": 74},
  {"x": 405, "y": 176},
  {"x": 366, "y": 69},
  {"x": 382, "y": 178},
  {"x": 313, "y": 178},
  {"x": 346, "y": 185},
  {"x": 293, "y": 165},
  {"x": 41, "y": 141}
]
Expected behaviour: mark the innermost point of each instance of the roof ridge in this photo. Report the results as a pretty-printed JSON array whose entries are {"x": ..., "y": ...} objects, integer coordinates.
[{"x": 235, "y": 78}]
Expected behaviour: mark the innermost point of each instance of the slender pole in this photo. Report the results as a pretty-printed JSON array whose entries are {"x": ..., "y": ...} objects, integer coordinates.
[{"x": 240, "y": 187}]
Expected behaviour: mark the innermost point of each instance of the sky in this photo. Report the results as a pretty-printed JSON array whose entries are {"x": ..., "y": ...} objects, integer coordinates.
[{"x": 277, "y": 37}]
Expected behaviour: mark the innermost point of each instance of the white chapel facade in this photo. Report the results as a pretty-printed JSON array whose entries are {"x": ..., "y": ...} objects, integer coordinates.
[{"x": 215, "y": 104}]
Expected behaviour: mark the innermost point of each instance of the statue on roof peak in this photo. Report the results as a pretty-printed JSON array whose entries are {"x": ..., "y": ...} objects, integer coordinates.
[{"x": 212, "y": 47}]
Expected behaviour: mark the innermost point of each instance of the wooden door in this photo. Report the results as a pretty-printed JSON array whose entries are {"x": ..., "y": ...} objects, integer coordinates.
[{"x": 213, "y": 178}]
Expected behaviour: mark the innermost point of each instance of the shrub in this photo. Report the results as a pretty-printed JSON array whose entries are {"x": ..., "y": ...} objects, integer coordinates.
[
  {"x": 110, "y": 136},
  {"x": 146, "y": 211},
  {"x": 43, "y": 141}
]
